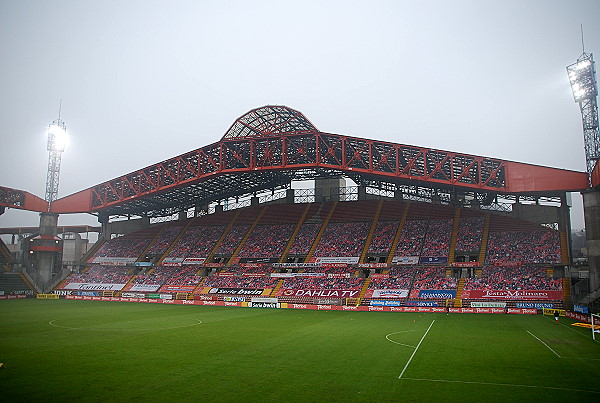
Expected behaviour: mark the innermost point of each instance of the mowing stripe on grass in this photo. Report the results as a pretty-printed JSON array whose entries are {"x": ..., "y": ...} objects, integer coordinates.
[
  {"x": 502, "y": 384},
  {"x": 416, "y": 348},
  {"x": 544, "y": 344}
]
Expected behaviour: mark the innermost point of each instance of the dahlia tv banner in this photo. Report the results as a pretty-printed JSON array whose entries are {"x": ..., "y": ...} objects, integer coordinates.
[
  {"x": 513, "y": 294},
  {"x": 292, "y": 292}
]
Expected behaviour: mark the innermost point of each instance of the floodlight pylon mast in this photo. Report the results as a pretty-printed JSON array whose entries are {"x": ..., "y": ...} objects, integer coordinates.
[
  {"x": 56, "y": 145},
  {"x": 582, "y": 75}
]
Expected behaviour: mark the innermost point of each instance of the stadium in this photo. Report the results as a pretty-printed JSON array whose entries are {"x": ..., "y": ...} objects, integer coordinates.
[{"x": 363, "y": 257}]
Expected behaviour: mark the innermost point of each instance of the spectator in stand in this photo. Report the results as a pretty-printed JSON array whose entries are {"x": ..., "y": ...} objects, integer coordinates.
[
  {"x": 411, "y": 238},
  {"x": 383, "y": 237},
  {"x": 232, "y": 239},
  {"x": 165, "y": 238},
  {"x": 267, "y": 241},
  {"x": 514, "y": 278},
  {"x": 524, "y": 246},
  {"x": 470, "y": 233},
  {"x": 343, "y": 239},
  {"x": 304, "y": 239},
  {"x": 437, "y": 241}
]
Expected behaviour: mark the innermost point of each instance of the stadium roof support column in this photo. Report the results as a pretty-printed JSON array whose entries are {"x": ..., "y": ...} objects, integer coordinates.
[
  {"x": 329, "y": 188},
  {"x": 591, "y": 208}
]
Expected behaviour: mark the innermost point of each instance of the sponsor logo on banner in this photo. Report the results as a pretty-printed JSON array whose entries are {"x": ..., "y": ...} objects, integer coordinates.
[
  {"x": 437, "y": 294},
  {"x": 115, "y": 261},
  {"x": 175, "y": 261},
  {"x": 58, "y": 292},
  {"x": 336, "y": 259},
  {"x": 378, "y": 302},
  {"x": 94, "y": 286},
  {"x": 177, "y": 288},
  {"x": 389, "y": 293},
  {"x": 379, "y": 275},
  {"x": 132, "y": 295},
  {"x": 513, "y": 294},
  {"x": 303, "y": 274},
  {"x": 534, "y": 305},
  {"x": 581, "y": 309},
  {"x": 522, "y": 311},
  {"x": 433, "y": 260},
  {"x": 144, "y": 287},
  {"x": 372, "y": 265},
  {"x": 295, "y": 265},
  {"x": 194, "y": 260},
  {"x": 236, "y": 291},
  {"x": 508, "y": 263},
  {"x": 405, "y": 260},
  {"x": 265, "y": 300},
  {"x": 578, "y": 316},
  {"x": 465, "y": 264},
  {"x": 291, "y": 292},
  {"x": 488, "y": 304},
  {"x": 234, "y": 299},
  {"x": 328, "y": 301},
  {"x": 421, "y": 303},
  {"x": 89, "y": 293},
  {"x": 264, "y": 305}
]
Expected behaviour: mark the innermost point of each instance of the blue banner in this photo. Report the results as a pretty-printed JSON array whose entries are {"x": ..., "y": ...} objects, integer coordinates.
[
  {"x": 385, "y": 303},
  {"x": 421, "y": 303},
  {"x": 89, "y": 293},
  {"x": 437, "y": 294},
  {"x": 536, "y": 305},
  {"x": 433, "y": 260},
  {"x": 581, "y": 309}
]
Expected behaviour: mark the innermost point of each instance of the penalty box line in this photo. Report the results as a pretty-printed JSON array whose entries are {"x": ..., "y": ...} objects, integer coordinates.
[{"x": 416, "y": 349}]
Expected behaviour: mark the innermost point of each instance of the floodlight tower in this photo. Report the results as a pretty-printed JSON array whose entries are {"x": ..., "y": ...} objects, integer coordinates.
[
  {"x": 57, "y": 138},
  {"x": 582, "y": 75}
]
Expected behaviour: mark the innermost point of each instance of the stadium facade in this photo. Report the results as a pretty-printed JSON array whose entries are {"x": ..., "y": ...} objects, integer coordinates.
[{"x": 270, "y": 148}]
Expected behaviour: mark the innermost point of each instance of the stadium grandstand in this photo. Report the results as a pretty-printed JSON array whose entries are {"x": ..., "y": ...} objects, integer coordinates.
[{"x": 385, "y": 225}]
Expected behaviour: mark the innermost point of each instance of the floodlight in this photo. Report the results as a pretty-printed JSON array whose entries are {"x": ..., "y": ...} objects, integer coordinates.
[
  {"x": 57, "y": 136},
  {"x": 582, "y": 76}
]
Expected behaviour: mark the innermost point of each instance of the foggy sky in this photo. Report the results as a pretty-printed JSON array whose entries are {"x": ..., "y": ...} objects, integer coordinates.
[{"x": 144, "y": 81}]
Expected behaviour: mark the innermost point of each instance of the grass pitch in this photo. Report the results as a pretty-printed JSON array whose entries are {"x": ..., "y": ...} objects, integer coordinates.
[{"x": 108, "y": 351}]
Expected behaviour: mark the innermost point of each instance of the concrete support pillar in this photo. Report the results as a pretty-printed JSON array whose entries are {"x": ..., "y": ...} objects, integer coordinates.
[
  {"x": 591, "y": 210},
  {"x": 362, "y": 192},
  {"x": 48, "y": 262},
  {"x": 254, "y": 201},
  {"x": 290, "y": 196}
]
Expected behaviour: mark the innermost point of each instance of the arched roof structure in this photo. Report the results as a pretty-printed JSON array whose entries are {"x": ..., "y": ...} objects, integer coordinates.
[
  {"x": 268, "y": 121},
  {"x": 271, "y": 146}
]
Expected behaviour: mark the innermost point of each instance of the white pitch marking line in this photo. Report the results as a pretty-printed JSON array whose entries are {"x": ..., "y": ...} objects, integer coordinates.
[
  {"x": 549, "y": 348},
  {"x": 387, "y": 337},
  {"x": 501, "y": 384},
  {"x": 416, "y": 348}
]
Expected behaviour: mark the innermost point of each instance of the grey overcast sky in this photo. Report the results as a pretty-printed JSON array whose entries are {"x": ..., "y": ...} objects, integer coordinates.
[{"x": 143, "y": 81}]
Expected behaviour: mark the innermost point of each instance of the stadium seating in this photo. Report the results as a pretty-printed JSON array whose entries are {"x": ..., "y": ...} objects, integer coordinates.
[
  {"x": 437, "y": 241},
  {"x": 383, "y": 236},
  {"x": 411, "y": 238},
  {"x": 524, "y": 247},
  {"x": 164, "y": 240},
  {"x": 343, "y": 239},
  {"x": 513, "y": 278},
  {"x": 197, "y": 241},
  {"x": 304, "y": 239},
  {"x": 232, "y": 240},
  {"x": 470, "y": 233},
  {"x": 267, "y": 241}
]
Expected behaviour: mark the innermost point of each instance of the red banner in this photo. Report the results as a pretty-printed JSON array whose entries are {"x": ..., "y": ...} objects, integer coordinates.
[
  {"x": 578, "y": 316},
  {"x": 513, "y": 294},
  {"x": 465, "y": 264}
]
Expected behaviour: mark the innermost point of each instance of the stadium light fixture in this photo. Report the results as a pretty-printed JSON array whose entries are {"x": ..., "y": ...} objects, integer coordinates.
[
  {"x": 57, "y": 141},
  {"x": 582, "y": 76}
]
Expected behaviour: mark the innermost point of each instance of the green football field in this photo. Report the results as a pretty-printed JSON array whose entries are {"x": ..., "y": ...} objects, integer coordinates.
[{"x": 59, "y": 350}]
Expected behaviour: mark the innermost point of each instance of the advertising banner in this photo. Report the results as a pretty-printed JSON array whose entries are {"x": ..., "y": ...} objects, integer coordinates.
[
  {"x": 382, "y": 302},
  {"x": 328, "y": 301},
  {"x": 525, "y": 311},
  {"x": 387, "y": 293},
  {"x": 421, "y": 303},
  {"x": 144, "y": 287},
  {"x": 435, "y": 294},
  {"x": 534, "y": 305},
  {"x": 234, "y": 299},
  {"x": 194, "y": 260},
  {"x": 172, "y": 261},
  {"x": 490, "y": 304},
  {"x": 477, "y": 310},
  {"x": 434, "y": 260},
  {"x": 114, "y": 261},
  {"x": 177, "y": 288},
  {"x": 578, "y": 316},
  {"x": 295, "y": 265},
  {"x": 264, "y": 305},
  {"x": 465, "y": 264},
  {"x": 94, "y": 286},
  {"x": 303, "y": 274},
  {"x": 581, "y": 309},
  {"x": 372, "y": 265},
  {"x": 335, "y": 259},
  {"x": 290, "y": 292},
  {"x": 405, "y": 260},
  {"x": 236, "y": 291},
  {"x": 513, "y": 294},
  {"x": 508, "y": 263}
]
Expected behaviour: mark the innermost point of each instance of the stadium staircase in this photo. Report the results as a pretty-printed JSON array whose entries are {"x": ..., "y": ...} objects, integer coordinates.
[
  {"x": 154, "y": 238},
  {"x": 223, "y": 235},
  {"x": 371, "y": 231},
  {"x": 5, "y": 256},
  {"x": 296, "y": 230},
  {"x": 484, "y": 238},
  {"x": 478, "y": 273},
  {"x": 27, "y": 282},
  {"x": 397, "y": 236},
  {"x": 454, "y": 235},
  {"x": 126, "y": 285},
  {"x": 276, "y": 289},
  {"x": 363, "y": 291},
  {"x": 459, "y": 288},
  {"x": 175, "y": 241},
  {"x": 241, "y": 245},
  {"x": 321, "y": 231}
]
